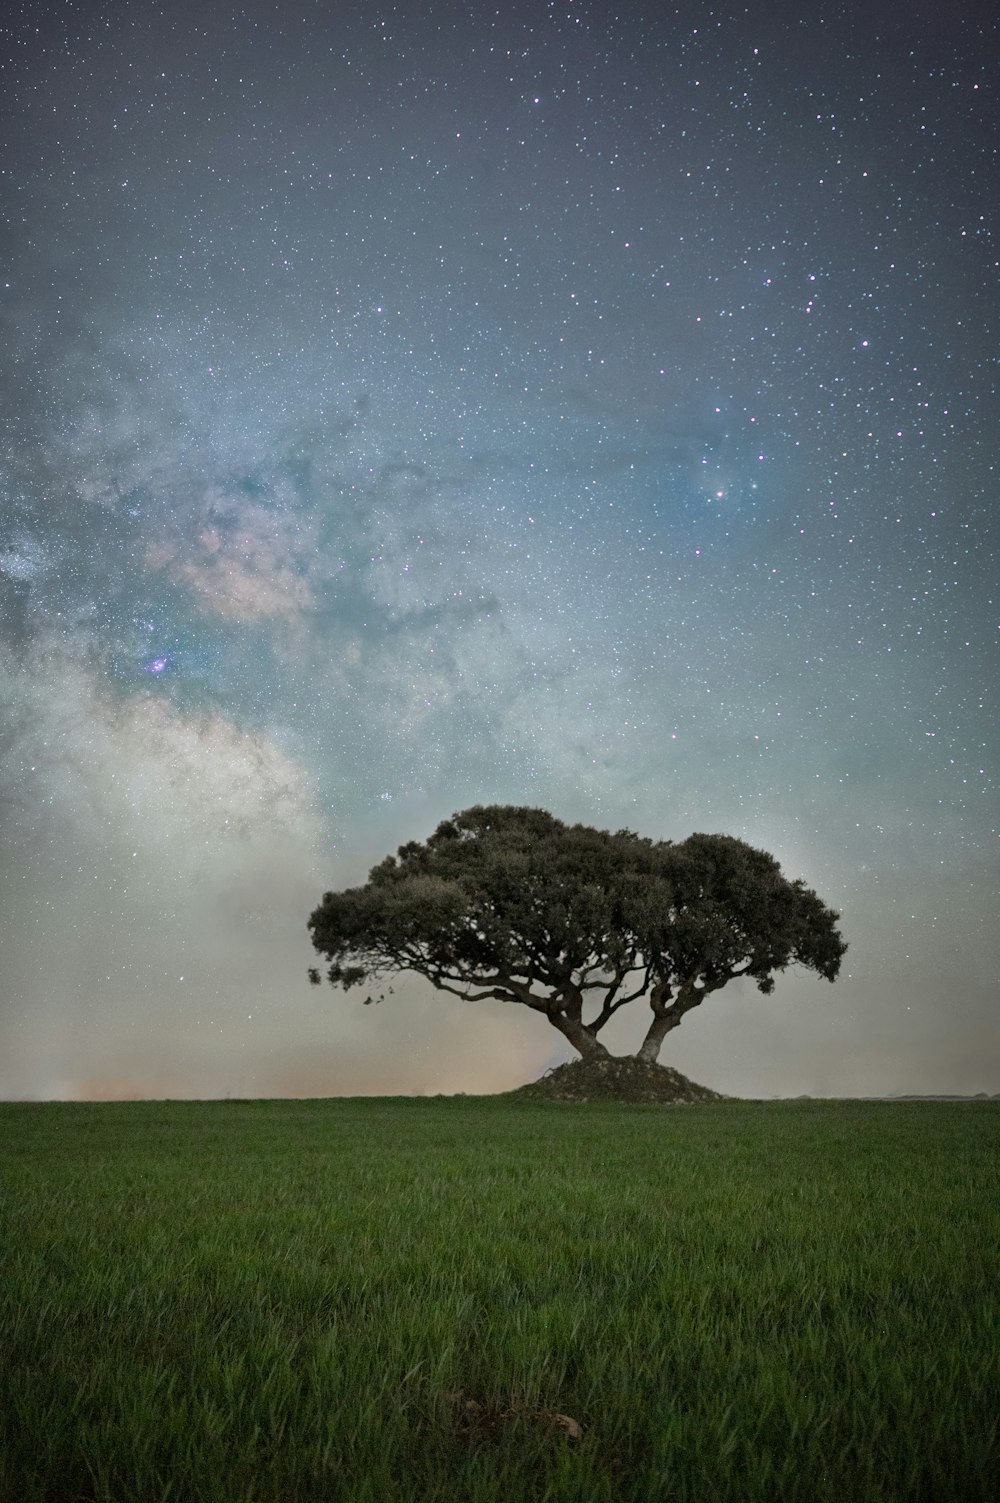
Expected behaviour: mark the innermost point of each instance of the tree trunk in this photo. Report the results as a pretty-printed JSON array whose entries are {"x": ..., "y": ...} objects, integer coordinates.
[
  {"x": 649, "y": 1050},
  {"x": 579, "y": 1035},
  {"x": 665, "y": 1018}
]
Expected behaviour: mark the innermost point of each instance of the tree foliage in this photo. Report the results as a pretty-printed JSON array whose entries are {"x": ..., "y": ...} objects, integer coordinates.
[{"x": 511, "y": 904}]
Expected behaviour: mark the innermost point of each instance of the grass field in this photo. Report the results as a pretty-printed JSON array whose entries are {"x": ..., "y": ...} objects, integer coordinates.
[{"x": 474, "y": 1301}]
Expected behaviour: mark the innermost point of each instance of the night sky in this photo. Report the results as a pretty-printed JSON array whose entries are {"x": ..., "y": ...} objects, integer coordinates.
[{"x": 412, "y": 406}]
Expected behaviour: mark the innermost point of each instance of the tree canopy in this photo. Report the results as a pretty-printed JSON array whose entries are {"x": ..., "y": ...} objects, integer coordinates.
[{"x": 510, "y": 904}]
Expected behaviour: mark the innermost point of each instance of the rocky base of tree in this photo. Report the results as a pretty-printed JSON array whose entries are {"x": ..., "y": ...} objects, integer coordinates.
[{"x": 615, "y": 1079}]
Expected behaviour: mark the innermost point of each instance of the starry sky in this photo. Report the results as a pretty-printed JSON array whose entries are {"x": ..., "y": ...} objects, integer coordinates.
[{"x": 410, "y": 406}]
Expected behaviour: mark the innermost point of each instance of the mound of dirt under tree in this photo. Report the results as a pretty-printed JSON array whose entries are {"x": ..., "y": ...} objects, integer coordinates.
[{"x": 615, "y": 1079}]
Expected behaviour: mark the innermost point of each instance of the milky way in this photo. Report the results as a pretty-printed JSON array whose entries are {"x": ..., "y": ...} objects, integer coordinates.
[{"x": 413, "y": 407}]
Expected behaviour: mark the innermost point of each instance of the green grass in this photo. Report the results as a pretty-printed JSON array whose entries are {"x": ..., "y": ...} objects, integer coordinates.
[{"x": 265, "y": 1302}]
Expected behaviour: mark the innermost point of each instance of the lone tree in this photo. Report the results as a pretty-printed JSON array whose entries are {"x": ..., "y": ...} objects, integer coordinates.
[{"x": 511, "y": 904}]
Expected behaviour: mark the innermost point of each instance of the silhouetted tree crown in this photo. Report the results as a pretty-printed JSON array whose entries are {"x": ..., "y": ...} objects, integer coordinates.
[{"x": 511, "y": 904}]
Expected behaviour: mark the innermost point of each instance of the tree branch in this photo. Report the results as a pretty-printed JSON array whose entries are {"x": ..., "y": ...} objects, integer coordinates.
[
  {"x": 495, "y": 994},
  {"x": 610, "y": 1006},
  {"x": 502, "y": 988}
]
